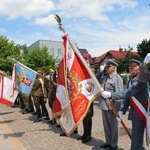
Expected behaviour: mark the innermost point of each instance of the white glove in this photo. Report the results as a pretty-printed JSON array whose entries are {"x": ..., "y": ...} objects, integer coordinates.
[
  {"x": 120, "y": 113},
  {"x": 102, "y": 67},
  {"x": 147, "y": 58},
  {"x": 106, "y": 94}
]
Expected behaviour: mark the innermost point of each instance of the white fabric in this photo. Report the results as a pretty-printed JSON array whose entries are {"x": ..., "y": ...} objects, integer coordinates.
[
  {"x": 120, "y": 113},
  {"x": 106, "y": 94},
  {"x": 147, "y": 58}
]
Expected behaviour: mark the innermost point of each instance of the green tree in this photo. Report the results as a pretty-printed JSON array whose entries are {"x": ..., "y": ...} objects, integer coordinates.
[
  {"x": 8, "y": 48},
  {"x": 144, "y": 47},
  {"x": 39, "y": 58},
  {"x": 36, "y": 59},
  {"x": 123, "y": 63}
]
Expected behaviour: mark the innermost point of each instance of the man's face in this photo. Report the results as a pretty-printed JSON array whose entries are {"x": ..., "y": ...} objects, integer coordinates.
[
  {"x": 133, "y": 69},
  {"x": 109, "y": 68}
]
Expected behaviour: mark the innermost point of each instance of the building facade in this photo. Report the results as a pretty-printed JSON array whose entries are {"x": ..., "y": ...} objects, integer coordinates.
[{"x": 54, "y": 47}]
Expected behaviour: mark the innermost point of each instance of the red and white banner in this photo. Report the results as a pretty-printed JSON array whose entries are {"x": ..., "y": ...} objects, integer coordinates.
[
  {"x": 82, "y": 87},
  {"x": 143, "y": 114},
  {"x": 6, "y": 96}
]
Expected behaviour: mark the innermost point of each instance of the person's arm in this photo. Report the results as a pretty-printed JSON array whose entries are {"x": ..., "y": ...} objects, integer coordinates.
[
  {"x": 128, "y": 93},
  {"x": 144, "y": 74},
  {"x": 125, "y": 94}
]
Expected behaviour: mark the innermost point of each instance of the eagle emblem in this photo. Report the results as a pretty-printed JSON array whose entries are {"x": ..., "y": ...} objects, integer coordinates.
[{"x": 89, "y": 86}]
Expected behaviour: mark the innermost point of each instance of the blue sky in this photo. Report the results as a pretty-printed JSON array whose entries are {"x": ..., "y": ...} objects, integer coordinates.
[{"x": 96, "y": 25}]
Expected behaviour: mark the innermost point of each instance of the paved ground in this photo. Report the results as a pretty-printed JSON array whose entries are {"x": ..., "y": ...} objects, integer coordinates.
[{"x": 18, "y": 132}]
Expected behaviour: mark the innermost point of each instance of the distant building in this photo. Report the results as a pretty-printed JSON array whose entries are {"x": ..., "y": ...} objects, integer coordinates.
[
  {"x": 55, "y": 48},
  {"x": 112, "y": 54}
]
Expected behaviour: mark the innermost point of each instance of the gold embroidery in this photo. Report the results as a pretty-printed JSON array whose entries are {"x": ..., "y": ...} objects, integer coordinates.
[{"x": 74, "y": 87}]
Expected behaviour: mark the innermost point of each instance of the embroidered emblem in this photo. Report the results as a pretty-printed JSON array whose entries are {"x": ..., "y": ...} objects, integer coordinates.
[
  {"x": 135, "y": 84},
  {"x": 67, "y": 119},
  {"x": 89, "y": 86}
]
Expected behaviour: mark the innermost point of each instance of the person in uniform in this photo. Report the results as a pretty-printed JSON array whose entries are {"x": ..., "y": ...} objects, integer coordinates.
[
  {"x": 38, "y": 97},
  {"x": 51, "y": 89},
  {"x": 112, "y": 82},
  {"x": 139, "y": 91}
]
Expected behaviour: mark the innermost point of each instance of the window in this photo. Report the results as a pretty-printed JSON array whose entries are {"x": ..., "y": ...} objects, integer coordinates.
[
  {"x": 59, "y": 51},
  {"x": 52, "y": 51}
]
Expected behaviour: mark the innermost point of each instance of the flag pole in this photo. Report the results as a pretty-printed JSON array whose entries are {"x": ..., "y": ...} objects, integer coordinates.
[{"x": 58, "y": 19}]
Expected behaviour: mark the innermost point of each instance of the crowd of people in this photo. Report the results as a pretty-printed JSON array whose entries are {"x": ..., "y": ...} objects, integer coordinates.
[{"x": 120, "y": 98}]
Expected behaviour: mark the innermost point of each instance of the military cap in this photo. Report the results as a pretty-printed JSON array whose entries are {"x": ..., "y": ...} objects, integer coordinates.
[
  {"x": 135, "y": 61},
  {"x": 111, "y": 62},
  {"x": 40, "y": 71},
  {"x": 51, "y": 70}
]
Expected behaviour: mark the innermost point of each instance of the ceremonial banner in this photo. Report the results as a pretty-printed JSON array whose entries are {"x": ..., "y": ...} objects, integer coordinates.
[
  {"x": 6, "y": 96},
  {"x": 24, "y": 78},
  {"x": 81, "y": 85}
]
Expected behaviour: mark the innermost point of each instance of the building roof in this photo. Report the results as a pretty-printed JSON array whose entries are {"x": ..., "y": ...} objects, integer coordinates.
[
  {"x": 83, "y": 51},
  {"x": 115, "y": 54}
]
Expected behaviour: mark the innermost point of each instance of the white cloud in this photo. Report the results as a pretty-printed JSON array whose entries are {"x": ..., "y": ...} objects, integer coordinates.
[
  {"x": 25, "y": 8},
  {"x": 47, "y": 21},
  {"x": 94, "y": 10}
]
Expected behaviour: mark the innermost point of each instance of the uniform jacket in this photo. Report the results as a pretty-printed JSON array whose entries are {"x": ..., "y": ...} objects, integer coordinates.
[
  {"x": 139, "y": 90},
  {"x": 114, "y": 83},
  {"x": 37, "y": 88}
]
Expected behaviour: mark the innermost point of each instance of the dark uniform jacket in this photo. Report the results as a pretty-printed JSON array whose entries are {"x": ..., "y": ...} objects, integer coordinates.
[
  {"x": 37, "y": 88},
  {"x": 51, "y": 89},
  {"x": 140, "y": 91}
]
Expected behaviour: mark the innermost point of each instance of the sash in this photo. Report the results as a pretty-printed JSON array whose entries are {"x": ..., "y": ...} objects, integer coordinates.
[
  {"x": 43, "y": 88},
  {"x": 143, "y": 115}
]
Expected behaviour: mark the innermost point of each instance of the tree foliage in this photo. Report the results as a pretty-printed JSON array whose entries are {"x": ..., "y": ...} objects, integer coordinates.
[
  {"x": 8, "y": 48},
  {"x": 36, "y": 59},
  {"x": 40, "y": 59},
  {"x": 144, "y": 47},
  {"x": 123, "y": 63}
]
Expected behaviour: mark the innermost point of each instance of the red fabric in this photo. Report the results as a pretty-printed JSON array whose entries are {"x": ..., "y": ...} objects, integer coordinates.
[{"x": 4, "y": 101}]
